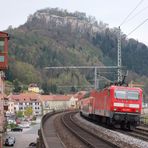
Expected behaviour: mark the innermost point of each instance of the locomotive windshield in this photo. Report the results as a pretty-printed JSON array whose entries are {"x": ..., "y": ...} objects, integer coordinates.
[{"x": 127, "y": 94}]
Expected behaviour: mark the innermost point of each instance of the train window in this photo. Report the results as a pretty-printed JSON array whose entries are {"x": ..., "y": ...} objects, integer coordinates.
[
  {"x": 1, "y": 44},
  {"x": 126, "y": 94},
  {"x": 120, "y": 94},
  {"x": 133, "y": 95}
]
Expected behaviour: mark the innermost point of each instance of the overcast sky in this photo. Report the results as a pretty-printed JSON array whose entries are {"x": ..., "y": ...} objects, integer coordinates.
[{"x": 112, "y": 12}]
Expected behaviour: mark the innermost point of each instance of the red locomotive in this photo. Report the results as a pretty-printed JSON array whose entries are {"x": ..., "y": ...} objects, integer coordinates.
[{"x": 114, "y": 105}]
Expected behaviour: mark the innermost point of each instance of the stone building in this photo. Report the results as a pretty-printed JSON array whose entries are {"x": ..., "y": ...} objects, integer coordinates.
[{"x": 58, "y": 102}]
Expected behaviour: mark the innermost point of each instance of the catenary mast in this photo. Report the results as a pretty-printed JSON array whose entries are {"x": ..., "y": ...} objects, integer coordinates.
[{"x": 119, "y": 56}]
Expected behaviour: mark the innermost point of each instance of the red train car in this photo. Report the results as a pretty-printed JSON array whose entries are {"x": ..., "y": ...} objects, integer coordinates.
[
  {"x": 114, "y": 105},
  {"x": 3, "y": 50}
]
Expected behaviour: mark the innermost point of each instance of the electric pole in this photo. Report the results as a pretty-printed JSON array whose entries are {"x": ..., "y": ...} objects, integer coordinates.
[{"x": 119, "y": 55}]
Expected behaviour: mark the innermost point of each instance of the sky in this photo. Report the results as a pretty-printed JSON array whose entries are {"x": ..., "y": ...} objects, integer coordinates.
[{"x": 112, "y": 12}]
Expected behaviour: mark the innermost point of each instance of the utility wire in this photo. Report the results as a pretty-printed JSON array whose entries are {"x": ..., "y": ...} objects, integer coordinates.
[
  {"x": 131, "y": 12},
  {"x": 137, "y": 14},
  {"x": 138, "y": 26}
]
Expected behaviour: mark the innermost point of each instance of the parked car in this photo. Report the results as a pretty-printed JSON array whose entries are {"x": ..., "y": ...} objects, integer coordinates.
[
  {"x": 8, "y": 136},
  {"x": 24, "y": 125},
  {"x": 32, "y": 145},
  {"x": 10, "y": 141},
  {"x": 11, "y": 121},
  {"x": 17, "y": 129}
]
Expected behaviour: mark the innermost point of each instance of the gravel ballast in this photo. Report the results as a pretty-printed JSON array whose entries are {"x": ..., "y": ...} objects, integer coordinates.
[{"x": 121, "y": 140}]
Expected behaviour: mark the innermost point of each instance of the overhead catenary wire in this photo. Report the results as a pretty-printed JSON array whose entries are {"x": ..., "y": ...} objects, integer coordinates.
[
  {"x": 137, "y": 27},
  {"x": 131, "y": 12},
  {"x": 137, "y": 13},
  {"x": 119, "y": 42}
]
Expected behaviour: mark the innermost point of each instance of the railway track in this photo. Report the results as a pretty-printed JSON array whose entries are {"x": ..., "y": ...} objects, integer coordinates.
[
  {"x": 88, "y": 138},
  {"x": 140, "y": 132}
]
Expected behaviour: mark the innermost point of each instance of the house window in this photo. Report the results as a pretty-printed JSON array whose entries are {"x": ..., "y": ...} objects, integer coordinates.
[{"x": 20, "y": 108}]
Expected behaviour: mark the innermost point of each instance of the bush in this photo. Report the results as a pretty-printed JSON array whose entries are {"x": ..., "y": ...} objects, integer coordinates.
[{"x": 11, "y": 125}]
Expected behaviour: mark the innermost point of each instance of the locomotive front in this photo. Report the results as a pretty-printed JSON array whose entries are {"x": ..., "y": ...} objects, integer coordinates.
[{"x": 126, "y": 106}]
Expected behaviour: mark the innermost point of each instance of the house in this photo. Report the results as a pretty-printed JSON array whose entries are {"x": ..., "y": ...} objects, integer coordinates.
[
  {"x": 79, "y": 95},
  {"x": 11, "y": 108},
  {"x": 3, "y": 109},
  {"x": 42, "y": 104},
  {"x": 24, "y": 100},
  {"x": 54, "y": 102},
  {"x": 58, "y": 102},
  {"x": 1, "y": 113},
  {"x": 33, "y": 88}
]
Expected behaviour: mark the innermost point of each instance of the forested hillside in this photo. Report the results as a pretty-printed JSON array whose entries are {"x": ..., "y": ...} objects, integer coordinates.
[{"x": 54, "y": 37}]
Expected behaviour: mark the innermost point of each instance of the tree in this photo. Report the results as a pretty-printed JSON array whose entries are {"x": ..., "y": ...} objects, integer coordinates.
[
  {"x": 17, "y": 87},
  {"x": 28, "y": 112},
  {"x": 53, "y": 88},
  {"x": 73, "y": 89},
  {"x": 19, "y": 114}
]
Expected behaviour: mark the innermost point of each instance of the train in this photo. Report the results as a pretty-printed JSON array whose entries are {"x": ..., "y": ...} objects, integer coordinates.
[{"x": 115, "y": 105}]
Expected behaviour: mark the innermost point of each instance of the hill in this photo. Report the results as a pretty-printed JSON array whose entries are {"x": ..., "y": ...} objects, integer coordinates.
[{"x": 55, "y": 37}]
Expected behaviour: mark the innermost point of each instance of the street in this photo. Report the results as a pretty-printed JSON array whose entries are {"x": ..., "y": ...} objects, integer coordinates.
[{"x": 24, "y": 138}]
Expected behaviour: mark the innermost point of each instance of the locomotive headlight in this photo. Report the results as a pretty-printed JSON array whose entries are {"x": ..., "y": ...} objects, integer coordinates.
[
  {"x": 115, "y": 109},
  {"x": 137, "y": 110}
]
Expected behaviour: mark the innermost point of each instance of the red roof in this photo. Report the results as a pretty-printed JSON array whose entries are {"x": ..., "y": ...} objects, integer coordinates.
[
  {"x": 3, "y": 34},
  {"x": 2, "y": 96},
  {"x": 31, "y": 96},
  {"x": 25, "y": 97},
  {"x": 55, "y": 97},
  {"x": 80, "y": 94}
]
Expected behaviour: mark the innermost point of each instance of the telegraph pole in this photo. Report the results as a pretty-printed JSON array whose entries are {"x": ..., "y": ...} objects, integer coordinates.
[{"x": 119, "y": 56}]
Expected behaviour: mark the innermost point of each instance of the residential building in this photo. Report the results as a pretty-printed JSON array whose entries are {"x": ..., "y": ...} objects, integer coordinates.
[
  {"x": 1, "y": 120},
  {"x": 24, "y": 100},
  {"x": 11, "y": 108},
  {"x": 43, "y": 103},
  {"x": 58, "y": 102},
  {"x": 79, "y": 95},
  {"x": 3, "y": 109}
]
